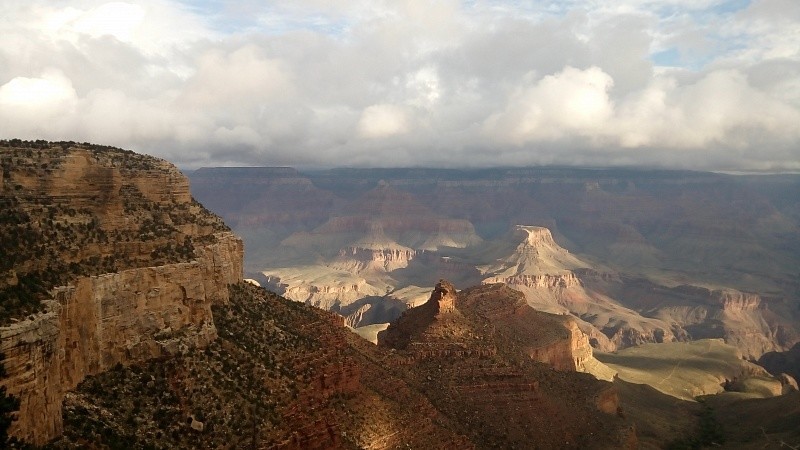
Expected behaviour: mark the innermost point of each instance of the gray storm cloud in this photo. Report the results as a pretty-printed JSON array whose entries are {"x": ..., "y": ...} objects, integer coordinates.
[{"x": 410, "y": 83}]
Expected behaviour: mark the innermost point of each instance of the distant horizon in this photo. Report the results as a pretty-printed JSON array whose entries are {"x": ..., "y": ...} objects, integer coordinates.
[
  {"x": 301, "y": 169},
  {"x": 309, "y": 168}
]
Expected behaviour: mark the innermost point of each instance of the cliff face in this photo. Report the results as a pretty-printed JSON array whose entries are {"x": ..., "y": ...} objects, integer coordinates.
[
  {"x": 569, "y": 353},
  {"x": 145, "y": 265},
  {"x": 359, "y": 259},
  {"x": 538, "y": 281}
]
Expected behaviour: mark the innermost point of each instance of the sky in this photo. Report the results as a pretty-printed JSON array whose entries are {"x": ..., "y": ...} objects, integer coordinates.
[{"x": 688, "y": 84}]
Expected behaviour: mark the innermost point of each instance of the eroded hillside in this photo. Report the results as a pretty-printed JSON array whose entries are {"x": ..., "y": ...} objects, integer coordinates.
[
  {"x": 280, "y": 375},
  {"x": 287, "y": 375}
]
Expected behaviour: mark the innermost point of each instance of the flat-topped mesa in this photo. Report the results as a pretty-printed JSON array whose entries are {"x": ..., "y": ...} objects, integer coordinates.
[{"x": 535, "y": 236}]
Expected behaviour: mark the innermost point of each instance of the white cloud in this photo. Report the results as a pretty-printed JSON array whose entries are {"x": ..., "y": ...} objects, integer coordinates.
[
  {"x": 29, "y": 106},
  {"x": 410, "y": 82},
  {"x": 378, "y": 121},
  {"x": 117, "y": 19},
  {"x": 572, "y": 101},
  {"x": 239, "y": 78},
  {"x": 51, "y": 90}
]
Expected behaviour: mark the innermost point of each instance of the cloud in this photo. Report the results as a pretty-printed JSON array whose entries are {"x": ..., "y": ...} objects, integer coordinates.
[
  {"x": 570, "y": 102},
  {"x": 241, "y": 77},
  {"x": 50, "y": 90},
  {"x": 699, "y": 84},
  {"x": 30, "y": 105},
  {"x": 384, "y": 120}
]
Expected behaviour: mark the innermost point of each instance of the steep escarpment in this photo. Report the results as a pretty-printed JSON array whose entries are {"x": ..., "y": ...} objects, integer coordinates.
[
  {"x": 754, "y": 323},
  {"x": 262, "y": 197},
  {"x": 110, "y": 262}
]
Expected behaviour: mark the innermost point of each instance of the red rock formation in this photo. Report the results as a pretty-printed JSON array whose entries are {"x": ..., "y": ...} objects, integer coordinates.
[
  {"x": 443, "y": 298},
  {"x": 488, "y": 345},
  {"x": 415, "y": 322}
]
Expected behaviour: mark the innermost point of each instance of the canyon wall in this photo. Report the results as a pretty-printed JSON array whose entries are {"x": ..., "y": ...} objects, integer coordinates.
[{"x": 110, "y": 261}]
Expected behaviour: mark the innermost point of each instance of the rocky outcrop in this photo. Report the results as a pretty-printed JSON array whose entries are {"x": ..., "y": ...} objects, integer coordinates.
[
  {"x": 414, "y": 327},
  {"x": 449, "y": 324},
  {"x": 443, "y": 298},
  {"x": 487, "y": 356}
]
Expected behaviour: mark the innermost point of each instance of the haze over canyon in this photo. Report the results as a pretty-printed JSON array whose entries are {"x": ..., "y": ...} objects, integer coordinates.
[{"x": 635, "y": 256}]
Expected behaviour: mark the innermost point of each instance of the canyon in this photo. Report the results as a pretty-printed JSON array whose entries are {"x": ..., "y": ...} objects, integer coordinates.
[
  {"x": 634, "y": 256},
  {"x": 125, "y": 321}
]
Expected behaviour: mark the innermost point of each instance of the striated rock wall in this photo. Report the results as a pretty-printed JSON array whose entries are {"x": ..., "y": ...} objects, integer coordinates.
[
  {"x": 222, "y": 264},
  {"x": 117, "y": 318},
  {"x": 359, "y": 259},
  {"x": 567, "y": 353},
  {"x": 538, "y": 281}
]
